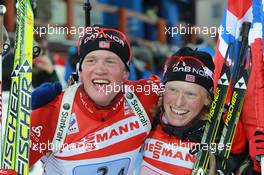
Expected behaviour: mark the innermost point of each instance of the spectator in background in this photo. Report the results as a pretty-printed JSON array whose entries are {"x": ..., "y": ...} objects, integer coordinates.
[
  {"x": 202, "y": 45},
  {"x": 71, "y": 62},
  {"x": 160, "y": 54},
  {"x": 43, "y": 65},
  {"x": 159, "y": 59},
  {"x": 60, "y": 67},
  {"x": 142, "y": 63},
  {"x": 43, "y": 11}
]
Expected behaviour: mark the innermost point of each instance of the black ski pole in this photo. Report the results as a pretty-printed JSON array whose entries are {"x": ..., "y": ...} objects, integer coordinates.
[
  {"x": 243, "y": 49},
  {"x": 87, "y": 8},
  {"x": 36, "y": 48}
]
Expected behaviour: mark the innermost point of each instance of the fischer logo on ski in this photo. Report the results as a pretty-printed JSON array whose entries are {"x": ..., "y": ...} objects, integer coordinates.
[
  {"x": 215, "y": 119},
  {"x": 15, "y": 154}
]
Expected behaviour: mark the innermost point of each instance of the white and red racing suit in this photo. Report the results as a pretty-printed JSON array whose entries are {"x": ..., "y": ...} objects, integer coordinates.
[
  {"x": 98, "y": 141},
  {"x": 167, "y": 155}
]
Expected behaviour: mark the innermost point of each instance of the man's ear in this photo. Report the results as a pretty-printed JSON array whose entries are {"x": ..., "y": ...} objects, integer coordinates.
[
  {"x": 125, "y": 75},
  {"x": 77, "y": 68}
]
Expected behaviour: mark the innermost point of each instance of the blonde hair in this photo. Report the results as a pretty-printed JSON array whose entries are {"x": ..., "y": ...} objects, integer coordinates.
[{"x": 206, "y": 109}]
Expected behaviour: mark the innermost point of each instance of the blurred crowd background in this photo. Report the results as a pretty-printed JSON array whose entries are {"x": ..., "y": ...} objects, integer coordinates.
[{"x": 148, "y": 23}]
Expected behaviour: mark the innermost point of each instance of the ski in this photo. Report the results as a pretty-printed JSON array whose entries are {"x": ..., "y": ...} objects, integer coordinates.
[
  {"x": 237, "y": 99},
  {"x": 15, "y": 154},
  {"x": 232, "y": 118},
  {"x": 11, "y": 118},
  {"x": 215, "y": 117}
]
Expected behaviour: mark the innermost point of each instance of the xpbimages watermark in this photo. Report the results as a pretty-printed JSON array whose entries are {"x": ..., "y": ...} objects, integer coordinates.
[
  {"x": 50, "y": 146},
  {"x": 197, "y": 30},
  {"x": 146, "y": 89},
  {"x": 182, "y": 145},
  {"x": 62, "y": 30}
]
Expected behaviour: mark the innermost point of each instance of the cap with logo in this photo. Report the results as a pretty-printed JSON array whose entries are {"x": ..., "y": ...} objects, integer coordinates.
[
  {"x": 104, "y": 38},
  {"x": 191, "y": 66}
]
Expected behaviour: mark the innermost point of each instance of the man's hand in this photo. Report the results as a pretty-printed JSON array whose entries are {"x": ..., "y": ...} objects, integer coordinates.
[{"x": 45, "y": 94}]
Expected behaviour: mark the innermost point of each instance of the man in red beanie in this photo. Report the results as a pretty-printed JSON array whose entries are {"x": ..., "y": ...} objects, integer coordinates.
[{"x": 98, "y": 125}]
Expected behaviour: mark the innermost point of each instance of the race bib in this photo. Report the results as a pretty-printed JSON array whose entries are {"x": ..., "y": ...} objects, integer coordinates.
[
  {"x": 116, "y": 167},
  {"x": 147, "y": 171}
]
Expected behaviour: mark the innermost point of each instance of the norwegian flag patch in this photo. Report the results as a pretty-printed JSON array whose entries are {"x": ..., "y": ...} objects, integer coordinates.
[
  {"x": 190, "y": 78},
  {"x": 104, "y": 44}
]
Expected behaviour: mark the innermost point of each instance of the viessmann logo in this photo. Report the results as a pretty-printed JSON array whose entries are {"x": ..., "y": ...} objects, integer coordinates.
[
  {"x": 105, "y": 137},
  {"x": 164, "y": 152},
  {"x": 116, "y": 132}
]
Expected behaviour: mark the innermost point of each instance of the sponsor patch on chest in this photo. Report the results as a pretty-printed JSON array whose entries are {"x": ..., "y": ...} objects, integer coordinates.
[{"x": 73, "y": 127}]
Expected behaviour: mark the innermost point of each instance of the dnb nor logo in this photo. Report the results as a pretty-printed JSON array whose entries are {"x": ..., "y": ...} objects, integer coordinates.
[{"x": 73, "y": 128}]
